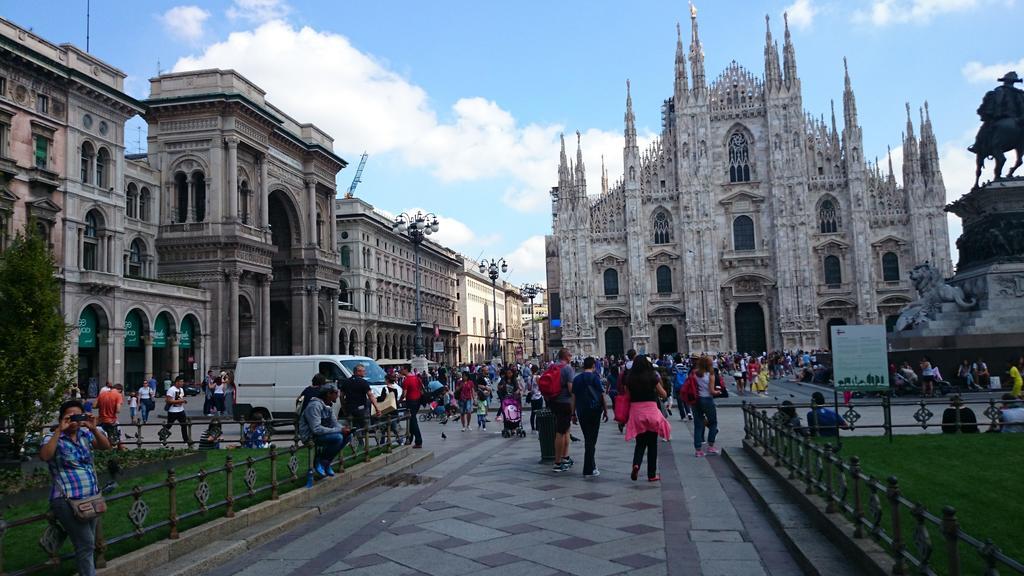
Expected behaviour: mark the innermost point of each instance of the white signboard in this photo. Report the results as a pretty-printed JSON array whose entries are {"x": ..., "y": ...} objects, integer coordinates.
[
  {"x": 859, "y": 358},
  {"x": 438, "y": 346}
]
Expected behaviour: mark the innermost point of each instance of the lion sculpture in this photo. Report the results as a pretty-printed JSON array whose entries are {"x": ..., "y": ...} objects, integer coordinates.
[{"x": 932, "y": 292}]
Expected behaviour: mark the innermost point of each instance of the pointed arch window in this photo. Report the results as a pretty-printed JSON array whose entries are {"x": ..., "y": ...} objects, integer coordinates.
[
  {"x": 828, "y": 217},
  {"x": 662, "y": 228},
  {"x": 739, "y": 158},
  {"x": 664, "y": 280},
  {"x": 611, "y": 282},
  {"x": 833, "y": 271},
  {"x": 743, "y": 233}
]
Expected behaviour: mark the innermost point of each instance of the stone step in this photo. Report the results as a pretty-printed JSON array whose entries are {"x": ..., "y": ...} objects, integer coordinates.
[{"x": 812, "y": 549}]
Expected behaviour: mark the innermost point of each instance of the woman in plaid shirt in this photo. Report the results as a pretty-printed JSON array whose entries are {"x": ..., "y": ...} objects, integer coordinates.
[{"x": 68, "y": 452}]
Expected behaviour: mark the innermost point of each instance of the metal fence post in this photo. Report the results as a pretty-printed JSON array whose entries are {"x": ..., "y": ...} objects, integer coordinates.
[
  {"x": 387, "y": 434},
  {"x": 830, "y": 506},
  {"x": 273, "y": 472},
  {"x": 138, "y": 434},
  {"x": 366, "y": 443},
  {"x": 746, "y": 420},
  {"x": 899, "y": 568},
  {"x": 172, "y": 503},
  {"x": 808, "y": 468},
  {"x": 229, "y": 473},
  {"x": 100, "y": 545},
  {"x": 188, "y": 425},
  {"x": 858, "y": 509},
  {"x": 766, "y": 429},
  {"x": 951, "y": 530}
]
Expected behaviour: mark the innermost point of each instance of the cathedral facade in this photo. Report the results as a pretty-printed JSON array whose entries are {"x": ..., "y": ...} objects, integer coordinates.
[{"x": 747, "y": 225}]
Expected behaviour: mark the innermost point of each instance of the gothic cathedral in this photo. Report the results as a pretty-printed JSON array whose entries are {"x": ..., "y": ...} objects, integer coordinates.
[{"x": 748, "y": 225}]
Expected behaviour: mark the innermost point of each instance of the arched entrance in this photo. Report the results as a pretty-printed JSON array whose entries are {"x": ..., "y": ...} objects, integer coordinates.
[
  {"x": 285, "y": 328},
  {"x": 280, "y": 328},
  {"x": 188, "y": 344},
  {"x": 828, "y": 328},
  {"x": 246, "y": 327},
  {"x": 667, "y": 343},
  {"x": 163, "y": 330},
  {"x": 890, "y": 322},
  {"x": 135, "y": 330},
  {"x": 613, "y": 342},
  {"x": 92, "y": 349},
  {"x": 749, "y": 322}
]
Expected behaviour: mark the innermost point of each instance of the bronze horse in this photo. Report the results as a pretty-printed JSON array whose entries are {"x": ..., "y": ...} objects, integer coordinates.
[{"x": 1006, "y": 134}]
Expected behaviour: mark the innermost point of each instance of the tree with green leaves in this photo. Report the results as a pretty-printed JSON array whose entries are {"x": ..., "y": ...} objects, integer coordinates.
[{"x": 36, "y": 371}]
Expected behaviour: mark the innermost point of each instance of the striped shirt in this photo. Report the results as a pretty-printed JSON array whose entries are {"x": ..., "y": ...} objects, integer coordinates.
[{"x": 71, "y": 468}]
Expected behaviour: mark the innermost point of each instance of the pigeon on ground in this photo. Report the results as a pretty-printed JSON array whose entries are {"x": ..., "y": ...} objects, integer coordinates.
[{"x": 444, "y": 436}]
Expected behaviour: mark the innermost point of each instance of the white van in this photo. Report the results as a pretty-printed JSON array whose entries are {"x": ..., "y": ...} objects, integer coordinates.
[{"x": 269, "y": 385}]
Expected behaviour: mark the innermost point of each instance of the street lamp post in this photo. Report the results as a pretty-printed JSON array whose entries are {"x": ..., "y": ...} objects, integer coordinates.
[
  {"x": 531, "y": 291},
  {"x": 491, "y": 268},
  {"x": 418, "y": 227}
]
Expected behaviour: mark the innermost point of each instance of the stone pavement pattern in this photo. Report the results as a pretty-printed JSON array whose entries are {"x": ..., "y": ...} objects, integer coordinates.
[{"x": 485, "y": 506}]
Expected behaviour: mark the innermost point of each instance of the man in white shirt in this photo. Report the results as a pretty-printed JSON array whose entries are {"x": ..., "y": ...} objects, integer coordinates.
[{"x": 176, "y": 401}]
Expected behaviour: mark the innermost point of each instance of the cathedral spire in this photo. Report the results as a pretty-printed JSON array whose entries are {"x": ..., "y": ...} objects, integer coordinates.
[
  {"x": 682, "y": 84},
  {"x": 772, "y": 73},
  {"x": 910, "y": 123},
  {"x": 789, "y": 56},
  {"x": 849, "y": 101},
  {"x": 888, "y": 153},
  {"x": 630, "y": 119},
  {"x": 604, "y": 177},
  {"x": 581, "y": 171},
  {"x": 696, "y": 52},
  {"x": 563, "y": 164}
]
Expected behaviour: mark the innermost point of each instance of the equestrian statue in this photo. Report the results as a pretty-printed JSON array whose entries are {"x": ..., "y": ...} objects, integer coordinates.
[{"x": 1002, "y": 128}]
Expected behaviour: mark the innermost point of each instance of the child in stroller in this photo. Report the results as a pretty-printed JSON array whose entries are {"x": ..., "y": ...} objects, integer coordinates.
[{"x": 512, "y": 418}]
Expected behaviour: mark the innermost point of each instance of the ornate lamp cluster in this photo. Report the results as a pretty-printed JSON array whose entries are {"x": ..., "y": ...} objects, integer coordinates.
[
  {"x": 417, "y": 227},
  {"x": 491, "y": 269}
]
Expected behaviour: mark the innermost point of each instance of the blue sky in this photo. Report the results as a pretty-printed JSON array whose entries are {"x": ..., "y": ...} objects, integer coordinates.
[{"x": 460, "y": 103}]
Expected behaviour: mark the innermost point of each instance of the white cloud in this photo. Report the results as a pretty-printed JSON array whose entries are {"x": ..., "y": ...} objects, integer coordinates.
[
  {"x": 367, "y": 106},
  {"x": 886, "y": 12},
  {"x": 979, "y": 73},
  {"x": 258, "y": 10},
  {"x": 185, "y": 22},
  {"x": 801, "y": 13},
  {"x": 527, "y": 262}
]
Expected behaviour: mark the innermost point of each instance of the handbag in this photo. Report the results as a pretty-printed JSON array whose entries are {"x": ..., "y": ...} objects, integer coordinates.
[
  {"x": 388, "y": 405},
  {"x": 622, "y": 406},
  {"x": 86, "y": 509}
]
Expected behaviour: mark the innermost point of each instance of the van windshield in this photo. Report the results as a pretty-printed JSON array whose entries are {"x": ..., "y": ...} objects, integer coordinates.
[{"x": 374, "y": 373}]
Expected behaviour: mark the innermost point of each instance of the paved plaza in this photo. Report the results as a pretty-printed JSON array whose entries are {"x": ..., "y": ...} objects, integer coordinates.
[{"x": 485, "y": 506}]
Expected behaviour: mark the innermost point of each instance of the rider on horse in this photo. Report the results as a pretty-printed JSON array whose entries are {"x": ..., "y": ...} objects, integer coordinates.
[{"x": 1006, "y": 101}]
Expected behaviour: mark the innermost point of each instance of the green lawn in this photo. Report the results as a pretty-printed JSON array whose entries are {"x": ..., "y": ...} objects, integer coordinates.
[
  {"x": 980, "y": 475},
  {"x": 21, "y": 544}
]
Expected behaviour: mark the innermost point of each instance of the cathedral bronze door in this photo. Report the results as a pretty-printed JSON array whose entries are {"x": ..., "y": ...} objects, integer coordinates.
[
  {"x": 667, "y": 343},
  {"x": 613, "y": 342},
  {"x": 750, "y": 328}
]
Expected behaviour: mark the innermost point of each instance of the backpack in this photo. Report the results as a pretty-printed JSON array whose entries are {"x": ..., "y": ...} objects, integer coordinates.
[
  {"x": 681, "y": 377},
  {"x": 550, "y": 382},
  {"x": 688, "y": 393}
]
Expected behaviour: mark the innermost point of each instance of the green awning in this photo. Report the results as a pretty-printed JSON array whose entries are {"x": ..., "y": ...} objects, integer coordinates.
[
  {"x": 185, "y": 334},
  {"x": 132, "y": 326},
  {"x": 160, "y": 332},
  {"x": 87, "y": 328}
]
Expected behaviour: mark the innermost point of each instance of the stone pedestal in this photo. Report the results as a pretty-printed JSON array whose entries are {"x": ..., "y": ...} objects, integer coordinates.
[{"x": 990, "y": 271}]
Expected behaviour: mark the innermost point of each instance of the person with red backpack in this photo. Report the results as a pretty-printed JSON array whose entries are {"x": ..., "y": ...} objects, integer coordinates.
[{"x": 556, "y": 386}]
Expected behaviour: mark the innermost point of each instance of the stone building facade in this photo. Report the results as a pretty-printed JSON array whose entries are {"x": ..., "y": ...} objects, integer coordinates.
[
  {"x": 477, "y": 302},
  {"x": 377, "y": 295},
  {"x": 746, "y": 225},
  {"x": 63, "y": 164},
  {"x": 245, "y": 211},
  {"x": 512, "y": 336}
]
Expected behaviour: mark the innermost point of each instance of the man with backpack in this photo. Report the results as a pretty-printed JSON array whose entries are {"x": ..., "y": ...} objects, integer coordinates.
[
  {"x": 681, "y": 373},
  {"x": 589, "y": 409},
  {"x": 556, "y": 386}
]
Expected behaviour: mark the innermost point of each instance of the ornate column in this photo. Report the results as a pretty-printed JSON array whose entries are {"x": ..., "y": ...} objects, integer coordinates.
[
  {"x": 191, "y": 217},
  {"x": 311, "y": 211},
  {"x": 264, "y": 193},
  {"x": 232, "y": 215},
  {"x": 333, "y": 302},
  {"x": 174, "y": 356},
  {"x": 298, "y": 315},
  {"x": 314, "y": 320},
  {"x": 265, "y": 314},
  {"x": 232, "y": 278},
  {"x": 333, "y": 224},
  {"x": 78, "y": 248},
  {"x": 148, "y": 369}
]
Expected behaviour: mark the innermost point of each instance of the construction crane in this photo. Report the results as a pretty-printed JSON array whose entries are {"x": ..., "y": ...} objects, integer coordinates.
[{"x": 359, "y": 176}]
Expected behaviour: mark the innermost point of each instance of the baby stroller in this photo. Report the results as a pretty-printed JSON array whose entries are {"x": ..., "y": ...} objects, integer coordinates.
[{"x": 512, "y": 416}]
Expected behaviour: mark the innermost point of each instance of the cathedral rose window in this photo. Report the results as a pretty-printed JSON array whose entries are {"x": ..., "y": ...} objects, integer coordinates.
[{"x": 739, "y": 158}]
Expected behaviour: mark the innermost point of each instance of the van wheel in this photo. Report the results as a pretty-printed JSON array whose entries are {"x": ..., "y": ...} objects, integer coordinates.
[{"x": 262, "y": 412}]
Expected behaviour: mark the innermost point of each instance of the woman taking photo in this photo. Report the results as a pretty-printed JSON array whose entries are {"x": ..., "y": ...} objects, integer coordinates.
[
  {"x": 645, "y": 422},
  {"x": 68, "y": 452}
]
